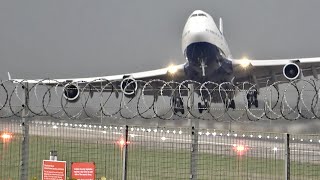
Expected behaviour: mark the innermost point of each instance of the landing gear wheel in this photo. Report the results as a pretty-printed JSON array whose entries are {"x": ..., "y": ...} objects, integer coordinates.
[
  {"x": 249, "y": 104},
  {"x": 227, "y": 103},
  {"x": 200, "y": 107},
  {"x": 256, "y": 103},
  {"x": 232, "y": 104},
  {"x": 255, "y": 94},
  {"x": 204, "y": 107},
  {"x": 176, "y": 110},
  {"x": 252, "y": 98},
  {"x": 177, "y": 105}
]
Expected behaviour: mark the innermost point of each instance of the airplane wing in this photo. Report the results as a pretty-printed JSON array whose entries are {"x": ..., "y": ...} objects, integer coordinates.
[
  {"x": 173, "y": 72},
  {"x": 127, "y": 83},
  {"x": 260, "y": 71}
]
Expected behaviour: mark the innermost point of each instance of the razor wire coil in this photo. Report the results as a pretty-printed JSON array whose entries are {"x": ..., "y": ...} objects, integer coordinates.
[{"x": 166, "y": 100}]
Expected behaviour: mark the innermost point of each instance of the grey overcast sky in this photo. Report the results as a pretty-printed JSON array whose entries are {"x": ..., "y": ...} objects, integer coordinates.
[{"x": 81, "y": 38}]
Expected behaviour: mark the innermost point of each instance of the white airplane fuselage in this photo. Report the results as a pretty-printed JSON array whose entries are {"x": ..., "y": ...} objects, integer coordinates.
[{"x": 205, "y": 49}]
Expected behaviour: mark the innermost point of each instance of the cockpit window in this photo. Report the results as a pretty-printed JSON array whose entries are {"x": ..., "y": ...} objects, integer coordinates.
[{"x": 202, "y": 15}]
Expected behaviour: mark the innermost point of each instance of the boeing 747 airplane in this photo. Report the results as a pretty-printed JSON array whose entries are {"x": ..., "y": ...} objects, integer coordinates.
[{"x": 208, "y": 58}]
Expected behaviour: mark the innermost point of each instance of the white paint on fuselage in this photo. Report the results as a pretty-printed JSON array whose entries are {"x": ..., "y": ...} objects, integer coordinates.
[{"x": 200, "y": 27}]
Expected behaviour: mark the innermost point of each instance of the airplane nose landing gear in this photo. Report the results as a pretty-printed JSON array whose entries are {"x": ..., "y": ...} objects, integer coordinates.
[
  {"x": 203, "y": 107},
  {"x": 177, "y": 104},
  {"x": 229, "y": 104},
  {"x": 252, "y": 98},
  {"x": 232, "y": 104}
]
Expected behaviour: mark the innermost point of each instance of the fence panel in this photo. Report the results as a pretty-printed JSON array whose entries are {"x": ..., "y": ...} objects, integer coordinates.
[
  {"x": 305, "y": 157},
  {"x": 240, "y": 155},
  {"x": 10, "y": 149},
  {"x": 158, "y": 153},
  {"x": 76, "y": 143}
]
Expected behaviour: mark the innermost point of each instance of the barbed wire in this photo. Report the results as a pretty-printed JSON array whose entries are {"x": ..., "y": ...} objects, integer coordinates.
[{"x": 167, "y": 100}]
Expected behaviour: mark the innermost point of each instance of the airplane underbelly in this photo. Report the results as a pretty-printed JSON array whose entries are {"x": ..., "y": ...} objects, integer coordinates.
[
  {"x": 202, "y": 51},
  {"x": 204, "y": 56}
]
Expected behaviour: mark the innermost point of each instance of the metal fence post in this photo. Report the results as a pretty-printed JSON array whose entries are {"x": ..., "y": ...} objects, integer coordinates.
[
  {"x": 125, "y": 153},
  {"x": 194, "y": 135},
  {"x": 194, "y": 152},
  {"x": 25, "y": 134},
  {"x": 287, "y": 157}
]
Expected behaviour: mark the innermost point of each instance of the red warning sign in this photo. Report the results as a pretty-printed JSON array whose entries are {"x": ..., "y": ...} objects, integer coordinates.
[
  {"x": 83, "y": 170},
  {"x": 53, "y": 170}
]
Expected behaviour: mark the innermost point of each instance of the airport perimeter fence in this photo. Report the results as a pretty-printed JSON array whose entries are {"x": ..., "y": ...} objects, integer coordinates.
[{"x": 132, "y": 152}]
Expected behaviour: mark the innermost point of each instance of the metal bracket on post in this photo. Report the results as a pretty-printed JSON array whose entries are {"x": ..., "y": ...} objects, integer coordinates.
[
  {"x": 194, "y": 123},
  {"x": 125, "y": 153},
  {"x": 287, "y": 157},
  {"x": 25, "y": 132}
]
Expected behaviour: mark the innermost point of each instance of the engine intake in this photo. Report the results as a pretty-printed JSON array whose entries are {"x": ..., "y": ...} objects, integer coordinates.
[
  {"x": 291, "y": 71},
  {"x": 129, "y": 86},
  {"x": 71, "y": 92}
]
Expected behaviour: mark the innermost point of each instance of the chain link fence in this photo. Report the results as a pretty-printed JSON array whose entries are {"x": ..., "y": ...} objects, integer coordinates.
[{"x": 132, "y": 152}]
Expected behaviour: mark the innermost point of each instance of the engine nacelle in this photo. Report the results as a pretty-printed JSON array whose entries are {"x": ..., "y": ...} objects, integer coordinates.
[
  {"x": 291, "y": 71},
  {"x": 129, "y": 86},
  {"x": 71, "y": 92}
]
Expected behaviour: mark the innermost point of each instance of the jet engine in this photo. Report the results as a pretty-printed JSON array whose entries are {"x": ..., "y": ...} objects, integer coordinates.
[
  {"x": 291, "y": 71},
  {"x": 71, "y": 92},
  {"x": 129, "y": 86}
]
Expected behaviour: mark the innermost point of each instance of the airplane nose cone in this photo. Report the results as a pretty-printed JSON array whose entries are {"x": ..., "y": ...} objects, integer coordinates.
[{"x": 198, "y": 35}]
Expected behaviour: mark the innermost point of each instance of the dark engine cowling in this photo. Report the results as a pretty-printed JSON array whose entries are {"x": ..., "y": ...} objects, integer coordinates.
[
  {"x": 129, "y": 86},
  {"x": 71, "y": 92},
  {"x": 291, "y": 71}
]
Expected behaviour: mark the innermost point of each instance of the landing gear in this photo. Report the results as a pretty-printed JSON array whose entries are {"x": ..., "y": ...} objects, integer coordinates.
[
  {"x": 177, "y": 104},
  {"x": 203, "y": 66},
  {"x": 203, "y": 107},
  {"x": 252, "y": 98},
  {"x": 230, "y": 104}
]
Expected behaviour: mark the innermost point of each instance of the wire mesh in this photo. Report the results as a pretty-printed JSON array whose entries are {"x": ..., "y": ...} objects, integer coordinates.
[
  {"x": 10, "y": 149},
  {"x": 76, "y": 143},
  {"x": 158, "y": 152},
  {"x": 305, "y": 157},
  {"x": 240, "y": 155}
]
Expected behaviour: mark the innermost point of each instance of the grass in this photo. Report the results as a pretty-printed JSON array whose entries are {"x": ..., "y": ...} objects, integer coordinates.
[{"x": 145, "y": 160}]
